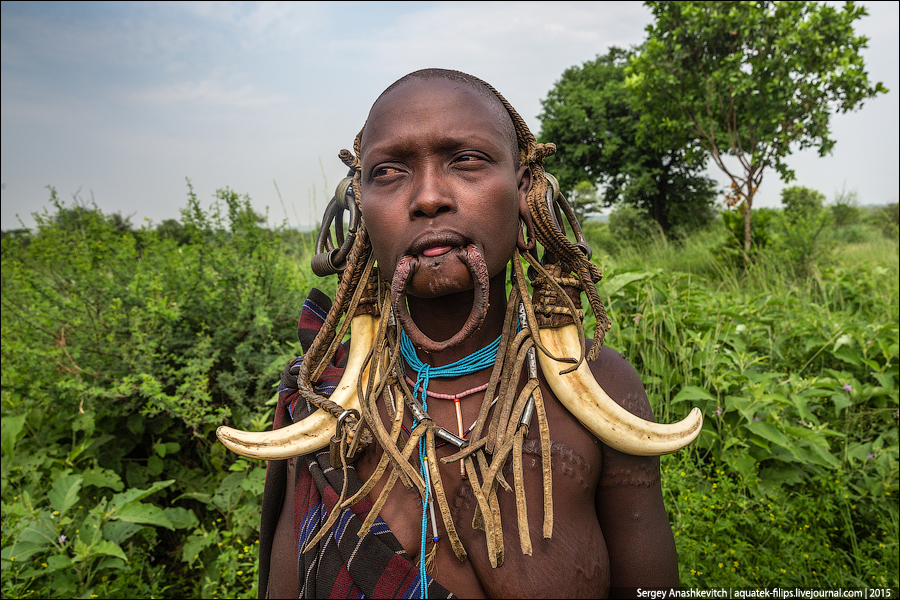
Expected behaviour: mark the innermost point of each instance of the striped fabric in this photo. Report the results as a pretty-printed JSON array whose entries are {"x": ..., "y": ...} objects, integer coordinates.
[{"x": 342, "y": 564}]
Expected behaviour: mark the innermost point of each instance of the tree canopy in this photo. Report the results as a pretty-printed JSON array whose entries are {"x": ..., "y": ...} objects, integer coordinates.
[
  {"x": 754, "y": 80},
  {"x": 591, "y": 117}
]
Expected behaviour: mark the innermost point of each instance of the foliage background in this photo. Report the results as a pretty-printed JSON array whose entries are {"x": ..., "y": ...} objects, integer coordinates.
[{"x": 124, "y": 348}]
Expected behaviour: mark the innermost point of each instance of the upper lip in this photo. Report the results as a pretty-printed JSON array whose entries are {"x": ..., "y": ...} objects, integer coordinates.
[{"x": 431, "y": 239}]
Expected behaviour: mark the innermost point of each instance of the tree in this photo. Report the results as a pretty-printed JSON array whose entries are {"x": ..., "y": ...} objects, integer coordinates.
[
  {"x": 753, "y": 80},
  {"x": 584, "y": 199},
  {"x": 591, "y": 117}
]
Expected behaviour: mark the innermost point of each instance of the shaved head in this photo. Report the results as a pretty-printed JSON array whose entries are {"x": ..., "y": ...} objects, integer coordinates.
[{"x": 503, "y": 117}]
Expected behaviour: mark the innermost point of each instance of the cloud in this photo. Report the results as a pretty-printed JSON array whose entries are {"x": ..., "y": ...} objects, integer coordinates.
[
  {"x": 210, "y": 92},
  {"x": 262, "y": 24},
  {"x": 522, "y": 51}
]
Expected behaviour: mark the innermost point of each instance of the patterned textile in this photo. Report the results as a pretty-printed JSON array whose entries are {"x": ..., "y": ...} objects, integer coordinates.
[{"x": 341, "y": 565}]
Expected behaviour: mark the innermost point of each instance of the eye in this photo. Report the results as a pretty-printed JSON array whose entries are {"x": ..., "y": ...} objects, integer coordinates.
[
  {"x": 469, "y": 159},
  {"x": 385, "y": 172}
]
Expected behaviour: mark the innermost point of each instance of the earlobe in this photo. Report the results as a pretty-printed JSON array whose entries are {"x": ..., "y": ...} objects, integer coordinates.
[
  {"x": 524, "y": 234},
  {"x": 526, "y": 180}
]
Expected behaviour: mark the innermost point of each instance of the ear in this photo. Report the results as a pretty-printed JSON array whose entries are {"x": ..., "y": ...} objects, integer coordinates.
[{"x": 525, "y": 180}]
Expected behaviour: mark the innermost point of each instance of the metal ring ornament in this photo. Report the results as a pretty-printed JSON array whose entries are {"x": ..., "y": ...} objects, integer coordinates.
[
  {"x": 343, "y": 193},
  {"x": 556, "y": 201},
  {"x": 340, "y": 420},
  {"x": 329, "y": 259}
]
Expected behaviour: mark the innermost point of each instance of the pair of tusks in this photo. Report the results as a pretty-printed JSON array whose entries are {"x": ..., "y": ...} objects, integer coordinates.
[{"x": 578, "y": 390}]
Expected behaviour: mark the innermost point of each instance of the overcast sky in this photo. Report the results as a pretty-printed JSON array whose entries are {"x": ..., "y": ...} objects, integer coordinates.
[{"x": 124, "y": 101}]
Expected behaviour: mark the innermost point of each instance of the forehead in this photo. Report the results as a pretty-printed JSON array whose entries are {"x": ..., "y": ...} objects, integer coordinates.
[{"x": 437, "y": 107}]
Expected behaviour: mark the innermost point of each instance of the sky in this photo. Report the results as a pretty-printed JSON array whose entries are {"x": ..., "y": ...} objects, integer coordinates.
[{"x": 121, "y": 103}]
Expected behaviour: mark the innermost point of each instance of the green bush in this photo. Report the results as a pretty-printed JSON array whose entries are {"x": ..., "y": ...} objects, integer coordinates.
[
  {"x": 845, "y": 209},
  {"x": 122, "y": 351},
  {"x": 887, "y": 218},
  {"x": 762, "y": 225},
  {"x": 631, "y": 226},
  {"x": 799, "y": 227}
]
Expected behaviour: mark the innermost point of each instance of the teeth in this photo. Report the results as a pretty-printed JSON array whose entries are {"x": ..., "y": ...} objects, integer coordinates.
[
  {"x": 315, "y": 431},
  {"x": 583, "y": 397}
]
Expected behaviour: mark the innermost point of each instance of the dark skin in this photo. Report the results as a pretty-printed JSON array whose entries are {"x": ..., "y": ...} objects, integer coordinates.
[{"x": 438, "y": 173}]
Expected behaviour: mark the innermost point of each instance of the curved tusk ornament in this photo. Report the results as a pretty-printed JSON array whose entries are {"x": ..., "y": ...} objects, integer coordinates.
[
  {"x": 315, "y": 431},
  {"x": 589, "y": 403}
]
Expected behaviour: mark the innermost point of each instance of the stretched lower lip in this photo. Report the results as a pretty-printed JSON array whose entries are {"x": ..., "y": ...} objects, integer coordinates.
[{"x": 437, "y": 250}]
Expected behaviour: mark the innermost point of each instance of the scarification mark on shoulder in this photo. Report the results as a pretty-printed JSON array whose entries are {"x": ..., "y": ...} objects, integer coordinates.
[
  {"x": 638, "y": 474},
  {"x": 638, "y": 405},
  {"x": 565, "y": 462},
  {"x": 563, "y": 459}
]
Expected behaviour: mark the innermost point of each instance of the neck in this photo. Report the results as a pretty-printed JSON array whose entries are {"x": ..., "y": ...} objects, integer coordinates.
[{"x": 440, "y": 318}]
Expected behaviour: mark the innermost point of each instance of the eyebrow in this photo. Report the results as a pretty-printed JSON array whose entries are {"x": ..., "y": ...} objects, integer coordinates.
[{"x": 402, "y": 148}]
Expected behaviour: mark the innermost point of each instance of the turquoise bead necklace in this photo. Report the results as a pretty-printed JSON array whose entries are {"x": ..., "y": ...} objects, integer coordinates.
[{"x": 477, "y": 361}]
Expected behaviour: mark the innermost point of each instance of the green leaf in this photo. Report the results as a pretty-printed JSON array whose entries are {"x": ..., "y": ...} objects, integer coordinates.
[
  {"x": 55, "y": 562},
  {"x": 111, "y": 562},
  {"x": 147, "y": 514},
  {"x": 815, "y": 455},
  {"x": 133, "y": 495},
  {"x": 181, "y": 518},
  {"x": 809, "y": 435},
  {"x": 848, "y": 355},
  {"x": 690, "y": 392},
  {"x": 195, "y": 544},
  {"x": 619, "y": 281},
  {"x": 64, "y": 493},
  {"x": 155, "y": 466},
  {"x": 10, "y": 432},
  {"x": 160, "y": 449},
  {"x": 199, "y": 496},
  {"x": 42, "y": 531},
  {"x": 107, "y": 548},
  {"x": 21, "y": 551},
  {"x": 164, "y": 448},
  {"x": 229, "y": 492},
  {"x": 840, "y": 401},
  {"x": 119, "y": 531},
  {"x": 770, "y": 433},
  {"x": 782, "y": 473},
  {"x": 103, "y": 478},
  {"x": 743, "y": 464}
]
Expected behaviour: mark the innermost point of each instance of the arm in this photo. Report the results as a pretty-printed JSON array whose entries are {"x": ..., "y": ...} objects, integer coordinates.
[{"x": 629, "y": 498}]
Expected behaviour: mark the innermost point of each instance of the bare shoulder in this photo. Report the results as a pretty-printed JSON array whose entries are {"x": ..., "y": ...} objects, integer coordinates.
[
  {"x": 622, "y": 383},
  {"x": 619, "y": 379},
  {"x": 628, "y": 500}
]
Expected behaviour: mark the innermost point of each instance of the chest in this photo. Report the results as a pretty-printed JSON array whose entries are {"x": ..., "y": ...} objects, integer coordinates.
[{"x": 573, "y": 562}]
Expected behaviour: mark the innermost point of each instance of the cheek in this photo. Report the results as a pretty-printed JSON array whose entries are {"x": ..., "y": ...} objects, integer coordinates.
[
  {"x": 500, "y": 239},
  {"x": 379, "y": 236}
]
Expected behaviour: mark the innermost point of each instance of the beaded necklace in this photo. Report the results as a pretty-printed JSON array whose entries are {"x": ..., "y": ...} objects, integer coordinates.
[
  {"x": 459, "y": 422},
  {"x": 477, "y": 361}
]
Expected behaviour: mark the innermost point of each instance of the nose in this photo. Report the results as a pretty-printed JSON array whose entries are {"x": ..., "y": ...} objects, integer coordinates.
[{"x": 432, "y": 195}]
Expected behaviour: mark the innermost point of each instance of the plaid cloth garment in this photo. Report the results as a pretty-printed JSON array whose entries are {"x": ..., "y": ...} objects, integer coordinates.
[{"x": 341, "y": 565}]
